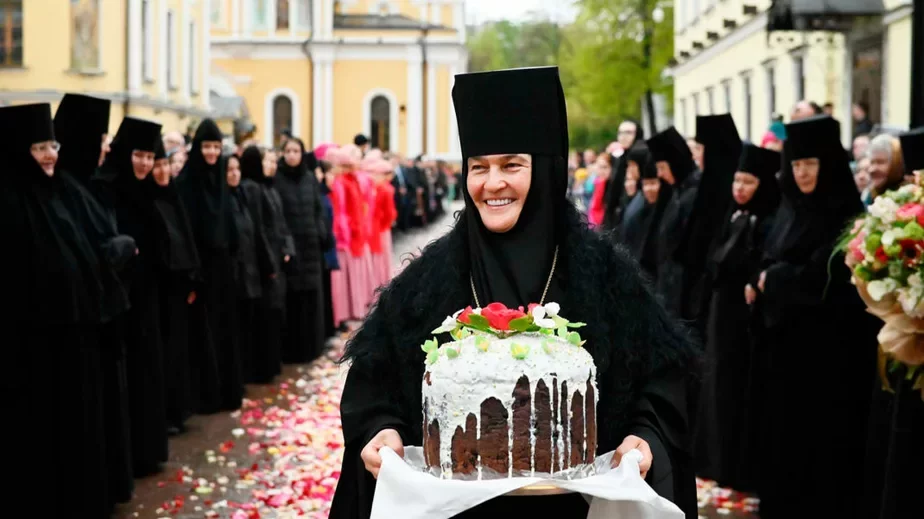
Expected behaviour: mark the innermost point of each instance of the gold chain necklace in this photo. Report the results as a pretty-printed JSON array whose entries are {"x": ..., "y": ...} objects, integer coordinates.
[{"x": 544, "y": 292}]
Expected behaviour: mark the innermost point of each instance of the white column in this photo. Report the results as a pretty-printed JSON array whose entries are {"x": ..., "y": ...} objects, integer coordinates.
[
  {"x": 328, "y": 29},
  {"x": 317, "y": 103},
  {"x": 294, "y": 21},
  {"x": 431, "y": 108},
  {"x": 235, "y": 17},
  {"x": 185, "y": 35},
  {"x": 163, "y": 51},
  {"x": 454, "y": 148},
  {"x": 205, "y": 64},
  {"x": 317, "y": 32},
  {"x": 271, "y": 14},
  {"x": 329, "y": 100},
  {"x": 135, "y": 48},
  {"x": 414, "y": 101}
]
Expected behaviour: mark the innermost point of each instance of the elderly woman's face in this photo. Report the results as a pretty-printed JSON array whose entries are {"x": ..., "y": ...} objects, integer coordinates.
[
  {"x": 805, "y": 172},
  {"x": 880, "y": 164},
  {"x": 498, "y": 185}
]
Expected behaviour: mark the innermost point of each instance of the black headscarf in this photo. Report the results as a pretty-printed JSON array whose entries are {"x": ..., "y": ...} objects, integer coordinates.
[
  {"x": 290, "y": 171},
  {"x": 669, "y": 146},
  {"x": 763, "y": 164},
  {"x": 516, "y": 111},
  {"x": 252, "y": 166},
  {"x": 80, "y": 123},
  {"x": 913, "y": 150},
  {"x": 809, "y": 221},
  {"x": 51, "y": 267},
  {"x": 615, "y": 198},
  {"x": 205, "y": 192},
  {"x": 639, "y": 228},
  {"x": 172, "y": 235}
]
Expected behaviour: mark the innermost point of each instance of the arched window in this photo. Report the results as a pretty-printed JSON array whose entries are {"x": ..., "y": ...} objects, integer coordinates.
[
  {"x": 282, "y": 117},
  {"x": 381, "y": 121}
]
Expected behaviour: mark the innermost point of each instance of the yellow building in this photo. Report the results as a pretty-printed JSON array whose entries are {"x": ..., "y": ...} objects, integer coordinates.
[
  {"x": 327, "y": 70},
  {"x": 155, "y": 69},
  {"x": 753, "y": 58}
]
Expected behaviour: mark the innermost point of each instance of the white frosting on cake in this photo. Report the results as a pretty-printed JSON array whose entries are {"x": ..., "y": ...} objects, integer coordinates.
[{"x": 458, "y": 386}]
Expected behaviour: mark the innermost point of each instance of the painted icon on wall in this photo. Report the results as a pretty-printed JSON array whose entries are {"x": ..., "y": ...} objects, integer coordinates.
[{"x": 85, "y": 35}]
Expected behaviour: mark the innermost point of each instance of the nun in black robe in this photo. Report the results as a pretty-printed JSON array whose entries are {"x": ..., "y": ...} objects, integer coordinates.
[
  {"x": 177, "y": 271},
  {"x": 615, "y": 197},
  {"x": 81, "y": 123},
  {"x": 252, "y": 265},
  {"x": 820, "y": 340},
  {"x": 301, "y": 202},
  {"x": 127, "y": 198},
  {"x": 894, "y": 451},
  {"x": 721, "y": 151},
  {"x": 640, "y": 369},
  {"x": 675, "y": 166},
  {"x": 207, "y": 199},
  {"x": 53, "y": 296},
  {"x": 638, "y": 231},
  {"x": 725, "y": 451}
]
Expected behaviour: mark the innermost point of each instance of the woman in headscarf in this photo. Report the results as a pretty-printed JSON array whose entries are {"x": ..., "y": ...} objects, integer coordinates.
[
  {"x": 252, "y": 264},
  {"x": 723, "y": 451},
  {"x": 617, "y": 196},
  {"x": 207, "y": 198},
  {"x": 81, "y": 124},
  {"x": 513, "y": 131},
  {"x": 721, "y": 145},
  {"x": 301, "y": 202},
  {"x": 886, "y": 170},
  {"x": 53, "y": 299},
  {"x": 820, "y": 340},
  {"x": 641, "y": 221},
  {"x": 122, "y": 185},
  {"x": 177, "y": 268},
  {"x": 265, "y": 205},
  {"x": 676, "y": 168}
]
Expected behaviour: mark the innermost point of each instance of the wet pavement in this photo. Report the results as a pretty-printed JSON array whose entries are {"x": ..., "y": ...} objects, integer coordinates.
[{"x": 279, "y": 456}]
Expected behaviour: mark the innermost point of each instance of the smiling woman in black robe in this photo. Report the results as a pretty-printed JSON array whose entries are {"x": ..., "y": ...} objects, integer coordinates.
[
  {"x": 207, "y": 199},
  {"x": 640, "y": 368},
  {"x": 265, "y": 204},
  {"x": 676, "y": 168},
  {"x": 821, "y": 342},
  {"x": 81, "y": 124},
  {"x": 122, "y": 185},
  {"x": 723, "y": 450},
  {"x": 53, "y": 299}
]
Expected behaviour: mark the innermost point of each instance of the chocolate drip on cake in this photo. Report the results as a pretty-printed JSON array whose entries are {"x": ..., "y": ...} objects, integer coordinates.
[
  {"x": 432, "y": 445},
  {"x": 522, "y": 411},
  {"x": 543, "y": 462},
  {"x": 577, "y": 429},
  {"x": 556, "y": 459},
  {"x": 564, "y": 425},
  {"x": 493, "y": 444},
  {"x": 465, "y": 447},
  {"x": 590, "y": 417}
]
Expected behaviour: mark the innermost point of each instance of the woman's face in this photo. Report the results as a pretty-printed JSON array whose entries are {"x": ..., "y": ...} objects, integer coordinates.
[
  {"x": 697, "y": 150},
  {"x": 632, "y": 170},
  {"x": 142, "y": 163},
  {"x": 664, "y": 171},
  {"x": 292, "y": 154},
  {"x": 46, "y": 154},
  {"x": 270, "y": 163},
  {"x": 880, "y": 165},
  {"x": 603, "y": 168},
  {"x": 861, "y": 177},
  {"x": 211, "y": 150},
  {"x": 234, "y": 171},
  {"x": 177, "y": 161},
  {"x": 104, "y": 149},
  {"x": 498, "y": 185},
  {"x": 744, "y": 187},
  {"x": 631, "y": 183},
  {"x": 650, "y": 189},
  {"x": 805, "y": 172},
  {"x": 162, "y": 172}
]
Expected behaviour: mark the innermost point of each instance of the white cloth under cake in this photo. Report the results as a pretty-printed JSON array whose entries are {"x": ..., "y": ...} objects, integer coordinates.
[{"x": 405, "y": 490}]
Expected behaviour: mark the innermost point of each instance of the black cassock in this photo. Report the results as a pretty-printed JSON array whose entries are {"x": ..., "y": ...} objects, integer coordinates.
[
  {"x": 674, "y": 224},
  {"x": 207, "y": 199},
  {"x": 304, "y": 214},
  {"x": 641, "y": 368},
  {"x": 177, "y": 271},
  {"x": 251, "y": 265},
  {"x": 725, "y": 445}
]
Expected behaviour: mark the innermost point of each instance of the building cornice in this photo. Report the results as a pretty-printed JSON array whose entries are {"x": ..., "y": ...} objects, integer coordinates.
[
  {"x": 53, "y": 96},
  {"x": 743, "y": 32}
]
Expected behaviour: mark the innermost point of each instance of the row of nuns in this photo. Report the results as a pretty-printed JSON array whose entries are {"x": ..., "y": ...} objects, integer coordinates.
[
  {"x": 743, "y": 251},
  {"x": 143, "y": 298}
]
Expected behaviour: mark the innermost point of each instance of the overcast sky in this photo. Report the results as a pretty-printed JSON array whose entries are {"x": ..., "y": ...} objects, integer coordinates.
[{"x": 478, "y": 11}]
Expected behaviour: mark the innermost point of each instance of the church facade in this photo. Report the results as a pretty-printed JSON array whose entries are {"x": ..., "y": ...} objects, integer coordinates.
[{"x": 326, "y": 70}]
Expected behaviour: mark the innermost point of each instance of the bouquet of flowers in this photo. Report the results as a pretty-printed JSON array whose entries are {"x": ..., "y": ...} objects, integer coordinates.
[{"x": 885, "y": 251}]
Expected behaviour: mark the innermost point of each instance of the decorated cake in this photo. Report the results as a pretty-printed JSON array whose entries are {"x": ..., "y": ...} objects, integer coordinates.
[{"x": 514, "y": 394}]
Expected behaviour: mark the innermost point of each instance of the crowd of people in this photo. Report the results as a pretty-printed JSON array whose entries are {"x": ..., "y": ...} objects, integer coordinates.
[
  {"x": 738, "y": 241},
  {"x": 154, "y": 275}
]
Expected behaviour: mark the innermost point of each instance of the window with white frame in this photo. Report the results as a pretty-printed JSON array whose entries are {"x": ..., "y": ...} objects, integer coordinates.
[
  {"x": 798, "y": 72},
  {"x": 193, "y": 72},
  {"x": 147, "y": 39},
  {"x": 696, "y": 103},
  {"x": 304, "y": 13},
  {"x": 770, "y": 74},
  {"x": 282, "y": 117},
  {"x": 172, "y": 79},
  {"x": 710, "y": 100},
  {"x": 746, "y": 91},
  {"x": 260, "y": 15},
  {"x": 282, "y": 15},
  {"x": 727, "y": 92}
]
